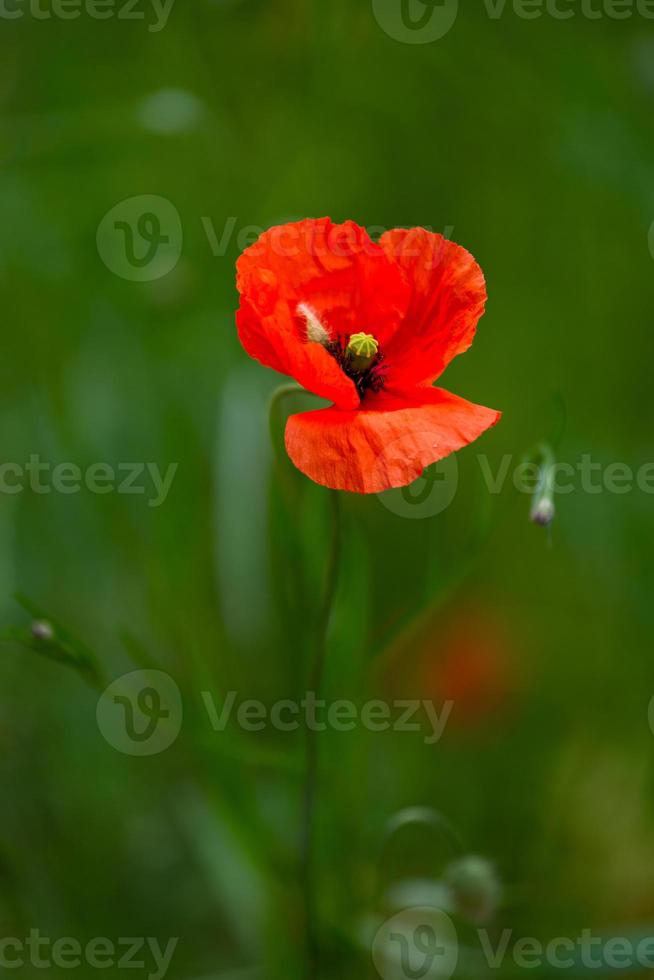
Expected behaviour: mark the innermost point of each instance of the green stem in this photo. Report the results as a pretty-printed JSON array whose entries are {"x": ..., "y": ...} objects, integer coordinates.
[
  {"x": 278, "y": 396},
  {"x": 308, "y": 814},
  {"x": 307, "y": 854}
]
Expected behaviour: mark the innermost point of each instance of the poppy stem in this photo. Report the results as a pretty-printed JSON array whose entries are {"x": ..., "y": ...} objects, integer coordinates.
[
  {"x": 307, "y": 854},
  {"x": 277, "y": 397},
  {"x": 317, "y": 669}
]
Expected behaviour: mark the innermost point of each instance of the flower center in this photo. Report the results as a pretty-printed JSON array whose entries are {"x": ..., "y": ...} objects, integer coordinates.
[
  {"x": 359, "y": 357},
  {"x": 362, "y": 350}
]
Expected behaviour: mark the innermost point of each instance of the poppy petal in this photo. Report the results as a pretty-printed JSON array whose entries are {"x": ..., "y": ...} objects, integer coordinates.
[
  {"x": 387, "y": 444},
  {"x": 333, "y": 272},
  {"x": 272, "y": 340},
  {"x": 448, "y": 296}
]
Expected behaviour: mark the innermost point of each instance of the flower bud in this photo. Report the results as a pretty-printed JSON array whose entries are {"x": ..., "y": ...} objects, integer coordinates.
[
  {"x": 42, "y": 630},
  {"x": 474, "y": 888},
  {"x": 543, "y": 511}
]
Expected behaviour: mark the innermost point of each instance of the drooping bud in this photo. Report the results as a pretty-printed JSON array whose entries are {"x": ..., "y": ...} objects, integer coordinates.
[
  {"x": 474, "y": 888},
  {"x": 543, "y": 511},
  {"x": 316, "y": 333},
  {"x": 542, "y": 507},
  {"x": 362, "y": 350}
]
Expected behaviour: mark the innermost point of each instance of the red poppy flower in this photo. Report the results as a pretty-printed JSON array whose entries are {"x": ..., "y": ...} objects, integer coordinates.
[{"x": 369, "y": 326}]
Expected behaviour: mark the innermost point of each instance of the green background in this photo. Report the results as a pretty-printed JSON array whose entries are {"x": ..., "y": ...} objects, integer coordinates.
[{"x": 530, "y": 142}]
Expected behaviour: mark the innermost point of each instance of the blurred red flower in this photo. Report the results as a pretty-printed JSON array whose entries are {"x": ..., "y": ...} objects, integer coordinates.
[
  {"x": 471, "y": 664},
  {"x": 467, "y": 656},
  {"x": 369, "y": 326}
]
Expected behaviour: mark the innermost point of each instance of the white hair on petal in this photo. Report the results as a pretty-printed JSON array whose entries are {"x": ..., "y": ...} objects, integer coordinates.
[{"x": 316, "y": 333}]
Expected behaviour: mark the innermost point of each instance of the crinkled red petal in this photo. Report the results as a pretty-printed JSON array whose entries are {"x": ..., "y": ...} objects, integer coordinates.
[
  {"x": 386, "y": 444},
  {"x": 448, "y": 296},
  {"x": 272, "y": 340}
]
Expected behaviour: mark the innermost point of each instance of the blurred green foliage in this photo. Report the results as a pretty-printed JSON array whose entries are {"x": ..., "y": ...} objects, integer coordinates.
[{"x": 530, "y": 142}]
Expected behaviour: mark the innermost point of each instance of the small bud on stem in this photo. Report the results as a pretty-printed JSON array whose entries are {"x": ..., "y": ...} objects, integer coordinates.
[
  {"x": 42, "y": 630},
  {"x": 543, "y": 509},
  {"x": 474, "y": 887}
]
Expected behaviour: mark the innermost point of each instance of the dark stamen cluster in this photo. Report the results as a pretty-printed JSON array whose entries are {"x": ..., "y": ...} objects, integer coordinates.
[{"x": 371, "y": 379}]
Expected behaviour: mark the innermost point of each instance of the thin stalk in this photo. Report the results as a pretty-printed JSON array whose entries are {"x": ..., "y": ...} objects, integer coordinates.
[
  {"x": 277, "y": 397},
  {"x": 308, "y": 811},
  {"x": 307, "y": 854}
]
